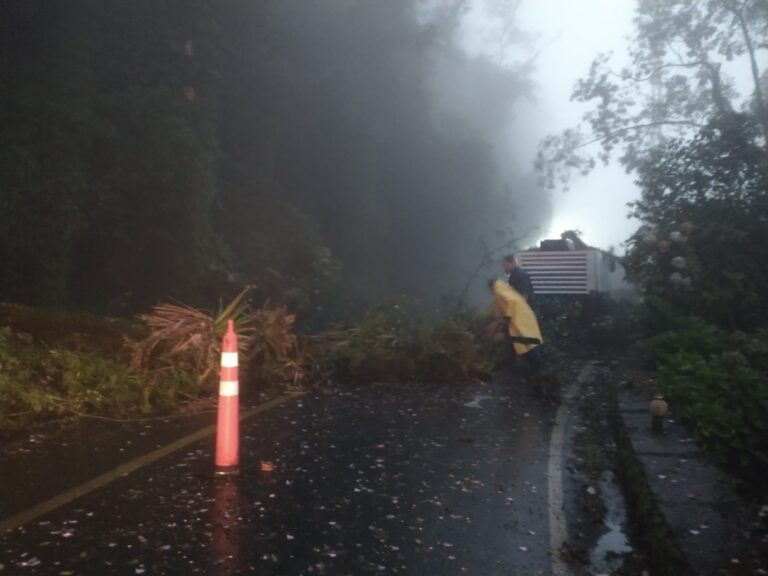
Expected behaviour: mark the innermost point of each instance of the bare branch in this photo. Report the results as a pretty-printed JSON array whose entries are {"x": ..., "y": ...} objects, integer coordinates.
[
  {"x": 485, "y": 259},
  {"x": 626, "y": 129},
  {"x": 762, "y": 113}
]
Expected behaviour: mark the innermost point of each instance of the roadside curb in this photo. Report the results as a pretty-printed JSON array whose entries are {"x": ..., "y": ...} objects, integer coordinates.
[{"x": 665, "y": 556}]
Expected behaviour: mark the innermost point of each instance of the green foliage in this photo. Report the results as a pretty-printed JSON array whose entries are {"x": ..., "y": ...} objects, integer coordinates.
[
  {"x": 698, "y": 149},
  {"x": 239, "y": 311},
  {"x": 718, "y": 383},
  {"x": 275, "y": 247},
  {"x": 687, "y": 334},
  {"x": 702, "y": 245},
  {"x": 83, "y": 364},
  {"x": 110, "y": 181},
  {"x": 171, "y": 151},
  {"x": 589, "y": 320},
  {"x": 700, "y": 257},
  {"x": 40, "y": 381},
  {"x": 390, "y": 345},
  {"x": 679, "y": 78},
  {"x": 74, "y": 330}
]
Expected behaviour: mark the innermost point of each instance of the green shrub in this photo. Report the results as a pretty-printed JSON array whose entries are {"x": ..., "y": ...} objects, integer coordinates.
[
  {"x": 389, "y": 345},
  {"x": 41, "y": 381},
  {"x": 718, "y": 384},
  {"x": 588, "y": 320},
  {"x": 690, "y": 335},
  {"x": 76, "y": 330}
]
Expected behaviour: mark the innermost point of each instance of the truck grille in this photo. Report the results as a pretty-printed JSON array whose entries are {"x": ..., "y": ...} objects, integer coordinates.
[{"x": 572, "y": 272}]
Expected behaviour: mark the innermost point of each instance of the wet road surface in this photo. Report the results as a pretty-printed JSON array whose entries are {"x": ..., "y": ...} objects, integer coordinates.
[
  {"x": 406, "y": 479},
  {"x": 63, "y": 454}
]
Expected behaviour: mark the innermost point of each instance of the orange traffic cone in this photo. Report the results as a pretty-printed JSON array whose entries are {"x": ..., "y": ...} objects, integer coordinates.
[{"x": 228, "y": 418}]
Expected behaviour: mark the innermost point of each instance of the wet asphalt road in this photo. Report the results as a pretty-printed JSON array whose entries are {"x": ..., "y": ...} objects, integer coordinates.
[
  {"x": 63, "y": 454},
  {"x": 407, "y": 479}
]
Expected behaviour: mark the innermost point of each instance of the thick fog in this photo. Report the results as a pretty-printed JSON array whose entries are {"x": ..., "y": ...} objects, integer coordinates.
[
  {"x": 419, "y": 132},
  {"x": 355, "y": 149},
  {"x": 563, "y": 37}
]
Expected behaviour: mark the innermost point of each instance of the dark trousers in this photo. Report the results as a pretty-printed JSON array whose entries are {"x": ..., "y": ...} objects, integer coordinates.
[{"x": 535, "y": 360}]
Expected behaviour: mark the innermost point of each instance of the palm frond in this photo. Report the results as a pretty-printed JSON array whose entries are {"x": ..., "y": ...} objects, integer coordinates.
[{"x": 183, "y": 336}]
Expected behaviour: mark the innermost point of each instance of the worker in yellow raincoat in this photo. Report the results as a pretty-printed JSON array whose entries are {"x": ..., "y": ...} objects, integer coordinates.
[{"x": 522, "y": 326}]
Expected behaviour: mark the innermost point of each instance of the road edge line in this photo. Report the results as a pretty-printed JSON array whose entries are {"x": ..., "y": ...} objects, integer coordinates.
[
  {"x": 51, "y": 504},
  {"x": 558, "y": 524},
  {"x": 558, "y": 529}
]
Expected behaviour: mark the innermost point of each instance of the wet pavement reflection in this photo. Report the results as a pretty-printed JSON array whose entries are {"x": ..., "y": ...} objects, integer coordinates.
[
  {"x": 400, "y": 479},
  {"x": 226, "y": 520}
]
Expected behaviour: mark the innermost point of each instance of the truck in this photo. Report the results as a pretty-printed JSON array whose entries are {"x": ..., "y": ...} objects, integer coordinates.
[{"x": 557, "y": 267}]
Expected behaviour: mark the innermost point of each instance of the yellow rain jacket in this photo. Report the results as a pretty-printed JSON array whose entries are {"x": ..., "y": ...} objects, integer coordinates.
[{"x": 510, "y": 303}]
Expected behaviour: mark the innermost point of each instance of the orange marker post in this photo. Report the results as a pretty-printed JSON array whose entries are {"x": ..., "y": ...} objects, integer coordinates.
[{"x": 228, "y": 417}]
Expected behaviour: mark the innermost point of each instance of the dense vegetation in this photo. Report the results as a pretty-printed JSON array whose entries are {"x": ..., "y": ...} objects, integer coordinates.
[
  {"x": 178, "y": 151},
  {"x": 182, "y": 150},
  {"x": 699, "y": 150},
  {"x": 718, "y": 383},
  {"x": 56, "y": 364},
  {"x": 154, "y": 150}
]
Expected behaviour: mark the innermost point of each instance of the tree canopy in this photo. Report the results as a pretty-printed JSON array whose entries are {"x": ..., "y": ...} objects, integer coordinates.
[
  {"x": 692, "y": 127},
  {"x": 685, "y": 56},
  {"x": 179, "y": 150}
]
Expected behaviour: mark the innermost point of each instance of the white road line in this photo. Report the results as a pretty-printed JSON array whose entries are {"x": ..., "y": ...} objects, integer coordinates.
[
  {"x": 558, "y": 525},
  {"x": 558, "y": 528},
  {"x": 13, "y": 522}
]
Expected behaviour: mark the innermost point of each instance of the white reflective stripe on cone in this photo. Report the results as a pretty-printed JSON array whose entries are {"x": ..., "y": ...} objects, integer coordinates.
[
  {"x": 229, "y": 359},
  {"x": 229, "y": 388}
]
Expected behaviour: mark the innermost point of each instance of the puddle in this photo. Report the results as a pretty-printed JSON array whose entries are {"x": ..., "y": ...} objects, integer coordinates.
[
  {"x": 608, "y": 552},
  {"x": 611, "y": 548},
  {"x": 476, "y": 402}
]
